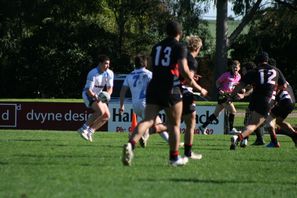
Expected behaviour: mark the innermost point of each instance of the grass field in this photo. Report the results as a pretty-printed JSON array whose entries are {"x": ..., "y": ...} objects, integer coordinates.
[{"x": 61, "y": 164}]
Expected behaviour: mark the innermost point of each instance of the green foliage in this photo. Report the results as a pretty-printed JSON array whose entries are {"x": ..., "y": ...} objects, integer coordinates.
[
  {"x": 274, "y": 31},
  {"x": 61, "y": 164},
  {"x": 47, "y": 47}
]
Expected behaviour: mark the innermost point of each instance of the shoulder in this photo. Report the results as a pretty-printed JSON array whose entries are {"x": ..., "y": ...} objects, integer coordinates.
[
  {"x": 93, "y": 72},
  {"x": 110, "y": 72}
]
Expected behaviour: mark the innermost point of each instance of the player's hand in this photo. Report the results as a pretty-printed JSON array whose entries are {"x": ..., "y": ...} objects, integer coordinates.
[
  {"x": 221, "y": 92},
  {"x": 121, "y": 110},
  {"x": 240, "y": 96},
  {"x": 204, "y": 92},
  {"x": 197, "y": 77}
]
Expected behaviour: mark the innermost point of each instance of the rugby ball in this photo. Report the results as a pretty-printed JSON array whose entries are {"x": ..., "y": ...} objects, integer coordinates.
[{"x": 104, "y": 97}]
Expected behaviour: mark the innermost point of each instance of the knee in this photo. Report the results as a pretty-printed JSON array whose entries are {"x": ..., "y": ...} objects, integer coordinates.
[{"x": 106, "y": 115}]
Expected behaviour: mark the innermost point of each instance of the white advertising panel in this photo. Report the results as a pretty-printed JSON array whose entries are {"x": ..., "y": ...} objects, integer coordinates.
[{"x": 122, "y": 122}]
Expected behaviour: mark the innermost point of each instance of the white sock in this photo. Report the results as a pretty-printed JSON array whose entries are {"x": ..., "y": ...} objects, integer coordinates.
[
  {"x": 165, "y": 136},
  {"x": 85, "y": 126},
  {"x": 91, "y": 130}
]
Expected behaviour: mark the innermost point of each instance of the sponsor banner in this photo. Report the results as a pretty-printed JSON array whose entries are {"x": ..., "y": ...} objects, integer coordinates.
[
  {"x": 71, "y": 116},
  {"x": 122, "y": 122},
  {"x": 44, "y": 115}
]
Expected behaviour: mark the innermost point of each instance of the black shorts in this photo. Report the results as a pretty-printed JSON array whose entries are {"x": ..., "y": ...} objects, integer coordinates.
[
  {"x": 189, "y": 105},
  {"x": 261, "y": 105},
  {"x": 163, "y": 99},
  {"x": 283, "y": 109},
  {"x": 222, "y": 98}
]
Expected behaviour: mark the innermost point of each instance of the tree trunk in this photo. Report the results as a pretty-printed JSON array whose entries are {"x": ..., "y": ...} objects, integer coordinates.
[
  {"x": 221, "y": 38},
  {"x": 245, "y": 20}
]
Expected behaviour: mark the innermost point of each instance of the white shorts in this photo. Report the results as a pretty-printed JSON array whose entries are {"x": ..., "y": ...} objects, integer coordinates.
[
  {"x": 139, "y": 108},
  {"x": 87, "y": 100}
]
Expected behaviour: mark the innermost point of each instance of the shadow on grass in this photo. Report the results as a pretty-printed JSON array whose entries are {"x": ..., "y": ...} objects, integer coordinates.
[
  {"x": 25, "y": 140},
  {"x": 222, "y": 181}
]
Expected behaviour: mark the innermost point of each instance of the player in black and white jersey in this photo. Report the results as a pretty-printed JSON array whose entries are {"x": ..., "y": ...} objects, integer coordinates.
[
  {"x": 285, "y": 103},
  {"x": 194, "y": 44},
  {"x": 164, "y": 92},
  {"x": 266, "y": 79}
]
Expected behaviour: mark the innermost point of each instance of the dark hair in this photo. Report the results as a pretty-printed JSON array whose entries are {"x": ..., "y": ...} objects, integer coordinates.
[
  {"x": 249, "y": 65},
  {"x": 262, "y": 57},
  {"x": 173, "y": 28},
  {"x": 140, "y": 61},
  {"x": 272, "y": 62},
  {"x": 102, "y": 58}
]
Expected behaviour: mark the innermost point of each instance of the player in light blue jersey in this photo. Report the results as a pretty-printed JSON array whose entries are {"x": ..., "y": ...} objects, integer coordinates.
[
  {"x": 137, "y": 82},
  {"x": 98, "y": 78}
]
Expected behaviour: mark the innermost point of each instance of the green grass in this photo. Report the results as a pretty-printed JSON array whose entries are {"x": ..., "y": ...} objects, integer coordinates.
[{"x": 60, "y": 164}]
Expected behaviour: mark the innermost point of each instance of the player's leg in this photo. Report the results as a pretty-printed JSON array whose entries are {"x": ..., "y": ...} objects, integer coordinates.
[
  {"x": 163, "y": 129},
  {"x": 151, "y": 111},
  {"x": 89, "y": 102},
  {"x": 190, "y": 121},
  {"x": 211, "y": 118},
  {"x": 232, "y": 111},
  {"x": 254, "y": 122},
  {"x": 173, "y": 114},
  {"x": 271, "y": 125},
  {"x": 139, "y": 110},
  {"x": 100, "y": 117}
]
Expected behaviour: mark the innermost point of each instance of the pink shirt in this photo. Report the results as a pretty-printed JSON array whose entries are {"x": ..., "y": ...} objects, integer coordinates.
[{"x": 227, "y": 81}]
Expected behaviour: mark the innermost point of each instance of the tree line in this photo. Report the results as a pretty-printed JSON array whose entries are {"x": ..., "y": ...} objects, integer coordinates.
[{"x": 48, "y": 46}]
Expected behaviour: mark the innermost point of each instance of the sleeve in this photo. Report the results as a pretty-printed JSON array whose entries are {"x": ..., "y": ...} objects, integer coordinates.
[
  {"x": 181, "y": 52},
  {"x": 110, "y": 79},
  {"x": 221, "y": 79},
  {"x": 125, "y": 83},
  {"x": 90, "y": 81},
  {"x": 282, "y": 79}
]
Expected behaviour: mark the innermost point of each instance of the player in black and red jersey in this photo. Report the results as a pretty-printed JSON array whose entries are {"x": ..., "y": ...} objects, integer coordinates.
[
  {"x": 169, "y": 59},
  {"x": 266, "y": 79}
]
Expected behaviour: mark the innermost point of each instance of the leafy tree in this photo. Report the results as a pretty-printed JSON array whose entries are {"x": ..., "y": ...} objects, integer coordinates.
[{"x": 274, "y": 31}]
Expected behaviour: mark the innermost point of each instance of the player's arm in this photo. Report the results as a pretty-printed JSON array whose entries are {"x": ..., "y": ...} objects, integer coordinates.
[
  {"x": 282, "y": 82},
  {"x": 109, "y": 90},
  {"x": 189, "y": 77},
  {"x": 123, "y": 92},
  {"x": 243, "y": 93},
  {"x": 238, "y": 88},
  {"x": 89, "y": 86}
]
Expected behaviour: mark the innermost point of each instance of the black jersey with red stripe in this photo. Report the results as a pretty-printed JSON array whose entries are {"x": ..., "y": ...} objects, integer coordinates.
[
  {"x": 265, "y": 80},
  {"x": 165, "y": 56}
]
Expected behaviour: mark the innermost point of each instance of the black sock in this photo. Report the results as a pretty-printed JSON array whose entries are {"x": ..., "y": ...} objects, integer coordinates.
[
  {"x": 209, "y": 120},
  {"x": 258, "y": 133},
  {"x": 272, "y": 135},
  {"x": 188, "y": 150},
  {"x": 173, "y": 155},
  {"x": 231, "y": 120}
]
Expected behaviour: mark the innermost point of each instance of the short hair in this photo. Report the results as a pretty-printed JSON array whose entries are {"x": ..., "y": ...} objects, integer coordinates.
[
  {"x": 140, "y": 60},
  {"x": 262, "y": 57},
  {"x": 235, "y": 63},
  {"x": 102, "y": 58},
  {"x": 194, "y": 43},
  {"x": 249, "y": 66},
  {"x": 272, "y": 62},
  {"x": 173, "y": 28}
]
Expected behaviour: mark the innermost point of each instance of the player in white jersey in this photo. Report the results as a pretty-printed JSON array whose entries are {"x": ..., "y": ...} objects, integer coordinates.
[
  {"x": 137, "y": 82},
  {"x": 98, "y": 78}
]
